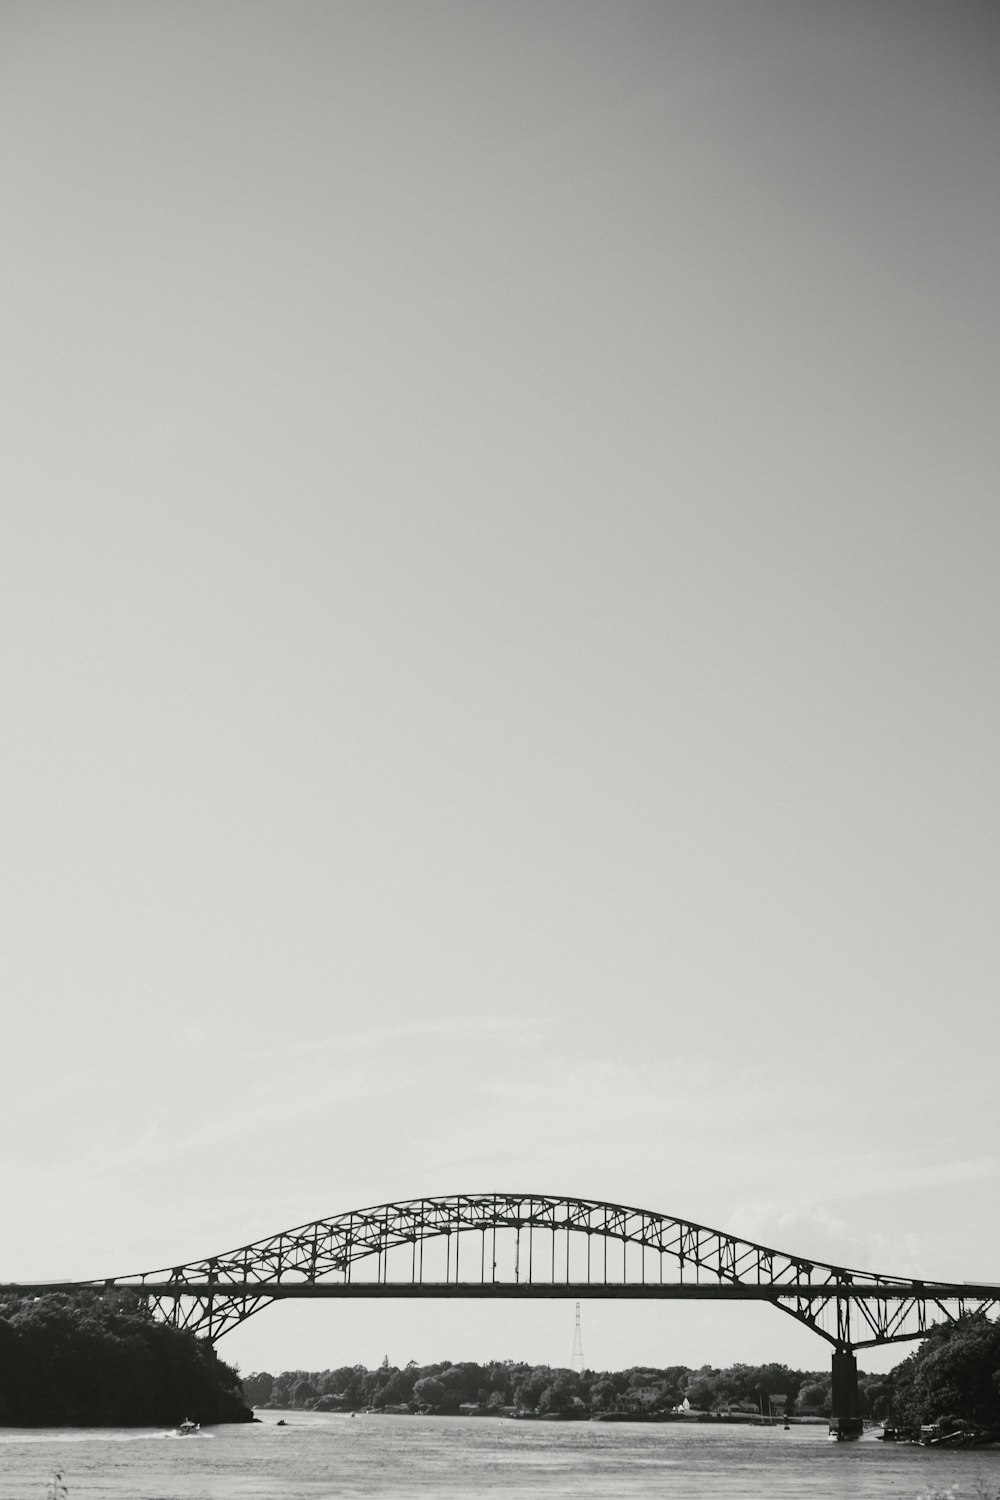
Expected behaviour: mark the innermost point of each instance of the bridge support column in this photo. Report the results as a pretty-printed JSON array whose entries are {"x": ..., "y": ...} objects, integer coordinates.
[{"x": 845, "y": 1411}]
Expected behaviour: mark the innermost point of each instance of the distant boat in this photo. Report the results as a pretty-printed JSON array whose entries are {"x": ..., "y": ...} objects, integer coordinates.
[{"x": 187, "y": 1427}]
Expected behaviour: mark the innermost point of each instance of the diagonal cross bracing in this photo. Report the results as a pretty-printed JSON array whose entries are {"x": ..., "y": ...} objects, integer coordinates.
[{"x": 538, "y": 1245}]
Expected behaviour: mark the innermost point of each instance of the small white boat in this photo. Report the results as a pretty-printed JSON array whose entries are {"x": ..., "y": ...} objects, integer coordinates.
[{"x": 186, "y": 1427}]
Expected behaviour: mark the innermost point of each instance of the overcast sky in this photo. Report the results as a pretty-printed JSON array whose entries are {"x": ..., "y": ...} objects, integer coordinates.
[{"x": 499, "y": 612}]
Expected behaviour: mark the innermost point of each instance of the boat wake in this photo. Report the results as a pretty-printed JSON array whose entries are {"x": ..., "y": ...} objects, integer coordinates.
[{"x": 95, "y": 1435}]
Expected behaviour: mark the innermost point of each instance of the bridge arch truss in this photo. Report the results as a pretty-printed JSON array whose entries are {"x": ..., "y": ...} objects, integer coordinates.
[{"x": 524, "y": 1245}]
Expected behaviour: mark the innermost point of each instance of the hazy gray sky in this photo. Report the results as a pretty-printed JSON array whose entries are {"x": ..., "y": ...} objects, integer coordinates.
[{"x": 499, "y": 618}]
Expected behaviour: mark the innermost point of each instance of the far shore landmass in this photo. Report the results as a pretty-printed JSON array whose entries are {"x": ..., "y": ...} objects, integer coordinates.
[
  {"x": 101, "y": 1359},
  {"x": 948, "y": 1391}
]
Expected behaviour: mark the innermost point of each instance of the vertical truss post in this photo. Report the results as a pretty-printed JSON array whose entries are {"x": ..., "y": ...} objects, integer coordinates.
[{"x": 213, "y": 1268}]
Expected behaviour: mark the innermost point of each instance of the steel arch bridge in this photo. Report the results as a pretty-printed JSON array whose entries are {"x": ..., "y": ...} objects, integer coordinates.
[{"x": 533, "y": 1245}]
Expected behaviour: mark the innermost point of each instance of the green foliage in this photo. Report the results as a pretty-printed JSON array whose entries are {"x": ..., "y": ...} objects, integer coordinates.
[
  {"x": 815, "y": 1398},
  {"x": 528, "y": 1390},
  {"x": 257, "y": 1387},
  {"x": 702, "y": 1390},
  {"x": 429, "y": 1391},
  {"x": 709, "y": 1389},
  {"x": 99, "y": 1359},
  {"x": 561, "y": 1394},
  {"x": 956, "y": 1372},
  {"x": 305, "y": 1393},
  {"x": 954, "y": 1375},
  {"x": 603, "y": 1394},
  {"x": 875, "y": 1393}
]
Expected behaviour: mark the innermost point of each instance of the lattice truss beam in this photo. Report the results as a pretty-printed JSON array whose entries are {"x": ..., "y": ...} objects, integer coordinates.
[{"x": 524, "y": 1244}]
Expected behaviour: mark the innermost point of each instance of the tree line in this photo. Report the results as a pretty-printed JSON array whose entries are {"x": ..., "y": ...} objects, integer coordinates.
[
  {"x": 954, "y": 1375},
  {"x": 100, "y": 1359},
  {"x": 447, "y": 1387}
]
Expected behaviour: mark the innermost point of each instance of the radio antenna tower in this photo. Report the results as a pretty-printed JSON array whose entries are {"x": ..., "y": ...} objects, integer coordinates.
[{"x": 577, "y": 1361}]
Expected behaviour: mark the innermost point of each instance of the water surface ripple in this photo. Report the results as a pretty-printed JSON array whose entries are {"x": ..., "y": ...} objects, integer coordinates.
[{"x": 319, "y": 1457}]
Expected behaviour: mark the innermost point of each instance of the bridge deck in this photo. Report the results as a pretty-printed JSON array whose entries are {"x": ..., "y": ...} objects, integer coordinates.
[{"x": 652, "y": 1290}]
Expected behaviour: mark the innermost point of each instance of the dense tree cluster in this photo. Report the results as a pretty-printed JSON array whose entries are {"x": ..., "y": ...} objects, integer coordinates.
[
  {"x": 953, "y": 1378},
  {"x": 954, "y": 1375},
  {"x": 447, "y": 1387},
  {"x": 99, "y": 1359}
]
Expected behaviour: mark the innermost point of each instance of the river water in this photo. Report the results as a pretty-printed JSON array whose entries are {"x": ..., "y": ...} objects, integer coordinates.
[{"x": 337, "y": 1457}]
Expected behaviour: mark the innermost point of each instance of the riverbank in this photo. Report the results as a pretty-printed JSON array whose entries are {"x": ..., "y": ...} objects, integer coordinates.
[{"x": 94, "y": 1360}]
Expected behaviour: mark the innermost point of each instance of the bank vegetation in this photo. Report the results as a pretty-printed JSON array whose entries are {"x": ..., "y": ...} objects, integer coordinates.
[
  {"x": 953, "y": 1378},
  {"x": 100, "y": 1359}
]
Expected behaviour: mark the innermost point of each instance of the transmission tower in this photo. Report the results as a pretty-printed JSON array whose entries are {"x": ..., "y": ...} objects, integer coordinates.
[{"x": 577, "y": 1361}]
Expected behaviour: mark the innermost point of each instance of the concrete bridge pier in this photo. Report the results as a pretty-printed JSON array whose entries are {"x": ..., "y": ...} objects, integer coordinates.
[{"x": 845, "y": 1411}]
